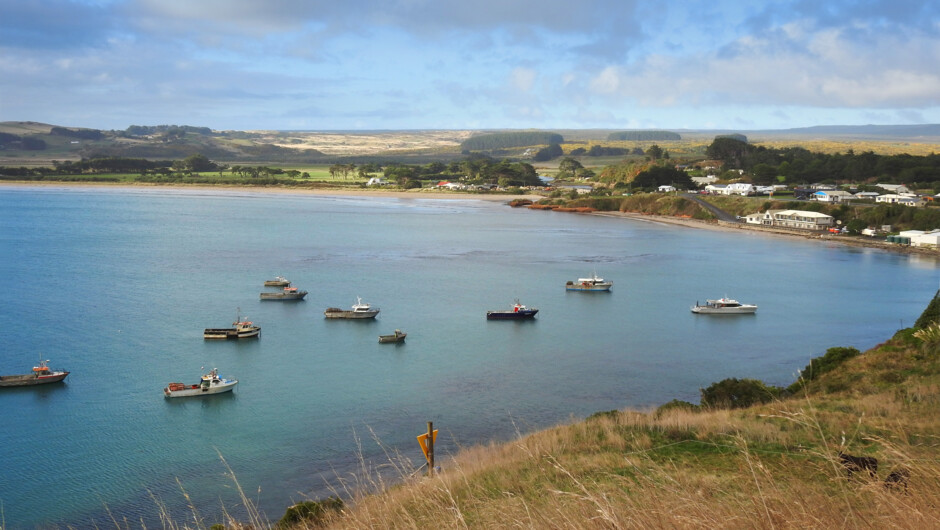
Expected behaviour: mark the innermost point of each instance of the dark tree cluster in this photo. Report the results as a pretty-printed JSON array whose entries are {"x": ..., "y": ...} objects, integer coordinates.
[
  {"x": 84, "y": 134},
  {"x": 598, "y": 150},
  {"x": 28, "y": 143},
  {"x": 547, "y": 153},
  {"x": 489, "y": 142},
  {"x": 800, "y": 165},
  {"x": 172, "y": 130},
  {"x": 110, "y": 164},
  {"x": 644, "y": 136},
  {"x": 657, "y": 176}
]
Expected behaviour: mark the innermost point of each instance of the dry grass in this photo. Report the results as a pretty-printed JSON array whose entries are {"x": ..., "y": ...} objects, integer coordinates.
[{"x": 773, "y": 466}]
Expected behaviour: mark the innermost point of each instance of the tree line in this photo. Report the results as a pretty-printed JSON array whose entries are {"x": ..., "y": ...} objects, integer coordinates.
[
  {"x": 799, "y": 165},
  {"x": 489, "y": 142}
]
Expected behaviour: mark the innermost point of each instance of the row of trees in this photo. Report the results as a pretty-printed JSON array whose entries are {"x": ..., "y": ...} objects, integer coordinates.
[{"x": 796, "y": 164}]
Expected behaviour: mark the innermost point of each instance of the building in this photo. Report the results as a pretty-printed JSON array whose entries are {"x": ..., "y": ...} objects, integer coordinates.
[
  {"x": 920, "y": 238},
  {"x": 894, "y": 188},
  {"x": 666, "y": 188},
  {"x": 833, "y": 196},
  {"x": 906, "y": 199},
  {"x": 791, "y": 219}
]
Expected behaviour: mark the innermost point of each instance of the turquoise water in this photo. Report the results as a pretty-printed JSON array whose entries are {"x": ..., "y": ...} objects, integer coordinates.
[{"x": 117, "y": 286}]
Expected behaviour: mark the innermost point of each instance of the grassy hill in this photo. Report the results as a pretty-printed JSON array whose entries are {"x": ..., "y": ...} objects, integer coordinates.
[{"x": 773, "y": 465}]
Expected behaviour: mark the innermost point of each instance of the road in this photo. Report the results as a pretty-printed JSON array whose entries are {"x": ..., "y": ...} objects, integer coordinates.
[{"x": 719, "y": 213}]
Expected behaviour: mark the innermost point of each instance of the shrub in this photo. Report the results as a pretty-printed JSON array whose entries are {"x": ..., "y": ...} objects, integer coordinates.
[
  {"x": 820, "y": 365},
  {"x": 674, "y": 405},
  {"x": 735, "y": 393},
  {"x": 931, "y": 314},
  {"x": 309, "y": 512}
]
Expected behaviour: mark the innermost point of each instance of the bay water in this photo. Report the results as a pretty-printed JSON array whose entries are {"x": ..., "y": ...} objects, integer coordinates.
[{"x": 117, "y": 284}]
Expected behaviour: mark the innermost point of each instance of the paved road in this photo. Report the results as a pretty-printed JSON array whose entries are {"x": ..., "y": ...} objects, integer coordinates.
[{"x": 720, "y": 214}]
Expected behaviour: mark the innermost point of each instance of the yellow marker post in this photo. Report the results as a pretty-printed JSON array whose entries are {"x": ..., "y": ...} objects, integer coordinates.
[{"x": 428, "y": 448}]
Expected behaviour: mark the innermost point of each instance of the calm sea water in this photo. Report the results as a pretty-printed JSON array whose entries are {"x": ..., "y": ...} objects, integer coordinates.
[{"x": 117, "y": 286}]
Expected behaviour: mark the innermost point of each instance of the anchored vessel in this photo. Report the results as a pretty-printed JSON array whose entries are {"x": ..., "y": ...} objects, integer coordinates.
[
  {"x": 359, "y": 310},
  {"x": 41, "y": 375},
  {"x": 723, "y": 306},
  {"x": 589, "y": 284},
  {"x": 244, "y": 329},
  {"x": 518, "y": 312},
  {"x": 278, "y": 281},
  {"x": 288, "y": 293},
  {"x": 398, "y": 336},
  {"x": 208, "y": 384}
]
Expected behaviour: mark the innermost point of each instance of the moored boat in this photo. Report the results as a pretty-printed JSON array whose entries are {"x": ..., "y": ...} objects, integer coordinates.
[
  {"x": 278, "y": 281},
  {"x": 41, "y": 375},
  {"x": 209, "y": 383},
  {"x": 518, "y": 312},
  {"x": 359, "y": 310},
  {"x": 589, "y": 284},
  {"x": 243, "y": 329},
  {"x": 398, "y": 336},
  {"x": 723, "y": 306},
  {"x": 288, "y": 293}
]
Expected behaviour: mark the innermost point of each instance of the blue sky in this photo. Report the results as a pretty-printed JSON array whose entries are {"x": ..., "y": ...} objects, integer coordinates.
[{"x": 475, "y": 64}]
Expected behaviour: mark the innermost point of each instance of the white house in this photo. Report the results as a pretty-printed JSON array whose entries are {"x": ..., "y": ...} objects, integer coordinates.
[
  {"x": 377, "y": 181},
  {"x": 739, "y": 188},
  {"x": 716, "y": 189},
  {"x": 906, "y": 199},
  {"x": 870, "y": 195},
  {"x": 803, "y": 219},
  {"x": 834, "y": 196},
  {"x": 666, "y": 188},
  {"x": 759, "y": 218},
  {"x": 894, "y": 188},
  {"x": 791, "y": 219}
]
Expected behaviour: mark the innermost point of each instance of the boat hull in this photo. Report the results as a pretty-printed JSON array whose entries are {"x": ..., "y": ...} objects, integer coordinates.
[
  {"x": 741, "y": 310},
  {"x": 599, "y": 287},
  {"x": 32, "y": 379},
  {"x": 227, "y": 385},
  {"x": 398, "y": 337},
  {"x": 511, "y": 315},
  {"x": 230, "y": 333},
  {"x": 284, "y": 296},
  {"x": 342, "y": 313}
]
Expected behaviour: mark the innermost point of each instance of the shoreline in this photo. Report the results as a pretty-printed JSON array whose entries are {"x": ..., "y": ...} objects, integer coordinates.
[{"x": 854, "y": 241}]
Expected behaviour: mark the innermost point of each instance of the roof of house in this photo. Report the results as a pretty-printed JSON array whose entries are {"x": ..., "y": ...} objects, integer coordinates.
[{"x": 802, "y": 213}]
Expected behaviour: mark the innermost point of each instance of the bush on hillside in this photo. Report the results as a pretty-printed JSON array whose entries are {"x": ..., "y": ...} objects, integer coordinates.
[
  {"x": 931, "y": 314},
  {"x": 309, "y": 512},
  {"x": 832, "y": 359},
  {"x": 733, "y": 393}
]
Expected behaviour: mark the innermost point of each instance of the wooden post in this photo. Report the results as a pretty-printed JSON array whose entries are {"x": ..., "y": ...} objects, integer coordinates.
[{"x": 430, "y": 449}]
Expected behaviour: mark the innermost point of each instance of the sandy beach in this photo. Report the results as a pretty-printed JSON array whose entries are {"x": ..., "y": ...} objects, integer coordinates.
[{"x": 458, "y": 195}]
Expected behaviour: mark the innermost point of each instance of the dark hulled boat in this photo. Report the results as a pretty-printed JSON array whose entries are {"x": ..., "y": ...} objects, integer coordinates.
[
  {"x": 518, "y": 312},
  {"x": 41, "y": 375}
]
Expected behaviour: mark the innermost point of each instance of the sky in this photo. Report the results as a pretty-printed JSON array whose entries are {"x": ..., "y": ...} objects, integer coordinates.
[{"x": 475, "y": 64}]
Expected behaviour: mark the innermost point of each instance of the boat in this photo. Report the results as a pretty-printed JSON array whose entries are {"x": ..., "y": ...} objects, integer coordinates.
[
  {"x": 359, "y": 310},
  {"x": 244, "y": 329},
  {"x": 278, "y": 281},
  {"x": 589, "y": 284},
  {"x": 288, "y": 293},
  {"x": 518, "y": 312},
  {"x": 723, "y": 306},
  {"x": 41, "y": 375},
  {"x": 209, "y": 383},
  {"x": 398, "y": 336}
]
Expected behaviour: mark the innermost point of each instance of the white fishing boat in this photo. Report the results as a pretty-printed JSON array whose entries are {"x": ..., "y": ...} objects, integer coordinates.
[
  {"x": 278, "y": 281},
  {"x": 359, "y": 310},
  {"x": 210, "y": 383},
  {"x": 594, "y": 283},
  {"x": 723, "y": 306}
]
